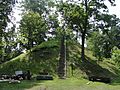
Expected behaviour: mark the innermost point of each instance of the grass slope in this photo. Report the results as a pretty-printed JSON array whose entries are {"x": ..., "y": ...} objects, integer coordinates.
[
  {"x": 36, "y": 60},
  {"x": 46, "y": 55},
  {"x": 106, "y": 68}
]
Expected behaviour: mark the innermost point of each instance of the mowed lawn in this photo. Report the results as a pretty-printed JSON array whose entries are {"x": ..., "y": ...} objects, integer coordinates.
[
  {"x": 57, "y": 84},
  {"x": 76, "y": 84}
]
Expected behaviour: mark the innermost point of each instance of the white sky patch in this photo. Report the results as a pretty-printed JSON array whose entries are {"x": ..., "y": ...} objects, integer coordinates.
[
  {"x": 17, "y": 13},
  {"x": 114, "y": 9}
]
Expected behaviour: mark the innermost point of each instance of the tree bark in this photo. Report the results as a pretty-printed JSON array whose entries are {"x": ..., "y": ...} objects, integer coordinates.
[
  {"x": 30, "y": 41},
  {"x": 83, "y": 48},
  {"x": 84, "y": 31},
  {"x": 62, "y": 60}
]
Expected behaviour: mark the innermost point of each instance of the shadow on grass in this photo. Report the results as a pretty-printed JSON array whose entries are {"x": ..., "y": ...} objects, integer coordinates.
[
  {"x": 25, "y": 84},
  {"x": 91, "y": 68},
  {"x": 116, "y": 79}
]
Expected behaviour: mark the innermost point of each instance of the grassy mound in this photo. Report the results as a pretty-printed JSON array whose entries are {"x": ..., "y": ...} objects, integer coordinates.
[
  {"x": 37, "y": 59},
  {"x": 91, "y": 66},
  {"x": 46, "y": 56}
]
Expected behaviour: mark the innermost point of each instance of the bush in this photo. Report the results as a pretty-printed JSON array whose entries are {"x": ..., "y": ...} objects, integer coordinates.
[{"x": 116, "y": 55}]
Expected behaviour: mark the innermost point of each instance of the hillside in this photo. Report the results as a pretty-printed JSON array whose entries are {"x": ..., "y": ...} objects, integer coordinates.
[
  {"x": 46, "y": 56},
  {"x": 35, "y": 60}
]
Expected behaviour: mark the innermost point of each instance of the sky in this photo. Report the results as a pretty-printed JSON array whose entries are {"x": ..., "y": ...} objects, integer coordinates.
[{"x": 112, "y": 10}]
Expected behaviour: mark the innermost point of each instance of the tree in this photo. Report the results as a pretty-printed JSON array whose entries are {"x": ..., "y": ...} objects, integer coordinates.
[
  {"x": 105, "y": 39},
  {"x": 10, "y": 44},
  {"x": 82, "y": 14},
  {"x": 42, "y": 7},
  {"x": 6, "y": 7},
  {"x": 39, "y": 6},
  {"x": 33, "y": 29}
]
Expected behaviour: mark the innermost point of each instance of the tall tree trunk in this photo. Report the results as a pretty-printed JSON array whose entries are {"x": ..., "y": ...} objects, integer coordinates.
[
  {"x": 62, "y": 60},
  {"x": 83, "y": 48},
  {"x": 84, "y": 31},
  {"x": 1, "y": 45}
]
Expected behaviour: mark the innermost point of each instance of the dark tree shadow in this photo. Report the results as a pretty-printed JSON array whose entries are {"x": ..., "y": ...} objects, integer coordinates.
[{"x": 91, "y": 68}]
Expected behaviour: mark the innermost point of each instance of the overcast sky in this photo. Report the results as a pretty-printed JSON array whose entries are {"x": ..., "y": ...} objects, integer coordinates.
[{"x": 114, "y": 9}]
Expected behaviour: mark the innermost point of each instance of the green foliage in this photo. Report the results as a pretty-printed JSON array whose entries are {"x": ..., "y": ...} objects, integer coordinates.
[
  {"x": 116, "y": 55},
  {"x": 80, "y": 15},
  {"x": 32, "y": 28},
  {"x": 7, "y": 35},
  {"x": 72, "y": 13},
  {"x": 5, "y": 10},
  {"x": 95, "y": 44},
  {"x": 102, "y": 42},
  {"x": 39, "y": 6}
]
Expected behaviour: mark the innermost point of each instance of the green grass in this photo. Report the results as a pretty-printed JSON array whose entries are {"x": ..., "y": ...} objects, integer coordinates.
[
  {"x": 58, "y": 84},
  {"x": 40, "y": 57},
  {"x": 79, "y": 84},
  {"x": 23, "y": 85}
]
